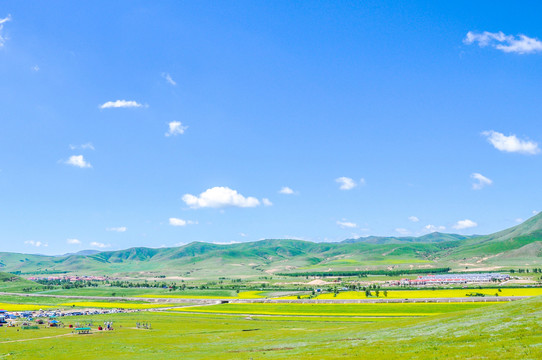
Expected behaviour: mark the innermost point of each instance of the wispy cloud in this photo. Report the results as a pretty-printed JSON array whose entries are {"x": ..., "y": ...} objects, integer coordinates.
[
  {"x": 87, "y": 146},
  {"x": 520, "y": 44},
  {"x": 180, "y": 222},
  {"x": 176, "y": 128},
  {"x": 169, "y": 79},
  {"x": 465, "y": 224},
  {"x": 35, "y": 68},
  {"x": 433, "y": 228},
  {"x": 267, "y": 202},
  {"x": 121, "y": 104},
  {"x": 413, "y": 218},
  {"x": 402, "y": 231},
  {"x": 117, "y": 229},
  {"x": 99, "y": 245},
  {"x": 347, "y": 183},
  {"x": 73, "y": 241},
  {"x": 36, "y": 243},
  {"x": 78, "y": 161},
  {"x": 346, "y": 224},
  {"x": 286, "y": 191},
  {"x": 511, "y": 143},
  {"x": 480, "y": 181},
  {"x": 219, "y": 197},
  {"x": 2, "y": 22}
]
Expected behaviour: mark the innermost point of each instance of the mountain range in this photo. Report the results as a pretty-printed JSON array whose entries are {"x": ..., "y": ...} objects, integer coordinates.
[{"x": 518, "y": 246}]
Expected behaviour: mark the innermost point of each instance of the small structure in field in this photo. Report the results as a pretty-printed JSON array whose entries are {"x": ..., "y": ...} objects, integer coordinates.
[{"x": 83, "y": 330}]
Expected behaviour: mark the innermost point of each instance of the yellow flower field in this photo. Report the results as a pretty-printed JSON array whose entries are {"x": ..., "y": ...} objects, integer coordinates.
[
  {"x": 242, "y": 295},
  {"x": 115, "y": 305},
  {"x": 416, "y": 294},
  {"x": 22, "y": 307}
]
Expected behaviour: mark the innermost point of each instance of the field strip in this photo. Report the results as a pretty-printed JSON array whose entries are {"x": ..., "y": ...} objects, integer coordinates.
[
  {"x": 320, "y": 314},
  {"x": 300, "y": 315},
  {"x": 212, "y": 301},
  {"x": 45, "y": 337}
]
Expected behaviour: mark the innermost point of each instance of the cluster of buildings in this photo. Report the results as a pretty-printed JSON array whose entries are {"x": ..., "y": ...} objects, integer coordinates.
[
  {"x": 11, "y": 318},
  {"x": 71, "y": 278},
  {"x": 442, "y": 279}
]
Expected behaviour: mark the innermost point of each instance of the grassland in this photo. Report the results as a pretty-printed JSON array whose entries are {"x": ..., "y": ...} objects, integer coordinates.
[
  {"x": 363, "y": 310},
  {"x": 496, "y": 331}
]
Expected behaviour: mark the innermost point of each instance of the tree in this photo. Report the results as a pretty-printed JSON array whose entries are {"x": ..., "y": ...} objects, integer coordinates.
[{"x": 385, "y": 293}]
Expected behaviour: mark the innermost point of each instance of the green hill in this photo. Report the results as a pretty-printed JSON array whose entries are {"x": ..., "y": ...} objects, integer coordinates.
[
  {"x": 517, "y": 246},
  {"x": 13, "y": 283}
]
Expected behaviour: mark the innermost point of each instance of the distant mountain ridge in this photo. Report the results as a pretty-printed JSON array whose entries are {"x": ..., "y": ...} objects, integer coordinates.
[
  {"x": 82, "y": 252},
  {"x": 429, "y": 238},
  {"x": 520, "y": 245}
]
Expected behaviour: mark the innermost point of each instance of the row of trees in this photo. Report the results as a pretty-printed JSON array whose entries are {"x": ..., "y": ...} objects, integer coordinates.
[{"x": 364, "y": 273}]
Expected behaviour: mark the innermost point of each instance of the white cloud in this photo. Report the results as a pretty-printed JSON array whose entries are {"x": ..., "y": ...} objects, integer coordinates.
[
  {"x": 169, "y": 79},
  {"x": 243, "y": 234},
  {"x": 78, "y": 161},
  {"x": 267, "y": 202},
  {"x": 511, "y": 143},
  {"x": 480, "y": 181},
  {"x": 73, "y": 241},
  {"x": 121, "y": 104},
  {"x": 36, "y": 243},
  {"x": 402, "y": 231},
  {"x": 465, "y": 224},
  {"x": 180, "y": 222},
  {"x": 433, "y": 228},
  {"x": 536, "y": 212},
  {"x": 519, "y": 220},
  {"x": 35, "y": 68},
  {"x": 219, "y": 197},
  {"x": 99, "y": 245},
  {"x": 87, "y": 146},
  {"x": 2, "y": 22},
  {"x": 117, "y": 229},
  {"x": 413, "y": 218},
  {"x": 225, "y": 242},
  {"x": 176, "y": 128},
  {"x": 286, "y": 191},
  {"x": 520, "y": 44},
  {"x": 348, "y": 183},
  {"x": 346, "y": 224}
]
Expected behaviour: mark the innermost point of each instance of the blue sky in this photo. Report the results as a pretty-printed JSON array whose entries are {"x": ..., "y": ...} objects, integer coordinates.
[{"x": 160, "y": 123}]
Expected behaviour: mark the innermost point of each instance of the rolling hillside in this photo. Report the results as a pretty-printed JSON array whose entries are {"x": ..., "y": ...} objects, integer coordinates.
[{"x": 517, "y": 246}]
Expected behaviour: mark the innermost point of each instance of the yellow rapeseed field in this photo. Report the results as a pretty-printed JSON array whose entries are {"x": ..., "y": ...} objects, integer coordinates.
[
  {"x": 115, "y": 305},
  {"x": 416, "y": 294},
  {"x": 22, "y": 307},
  {"x": 241, "y": 295}
]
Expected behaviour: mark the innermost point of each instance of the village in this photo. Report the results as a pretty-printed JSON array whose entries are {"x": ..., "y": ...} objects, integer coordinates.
[{"x": 27, "y": 320}]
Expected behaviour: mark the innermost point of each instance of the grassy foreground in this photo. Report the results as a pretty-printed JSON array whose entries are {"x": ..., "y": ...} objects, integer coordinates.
[
  {"x": 365, "y": 310},
  {"x": 496, "y": 331}
]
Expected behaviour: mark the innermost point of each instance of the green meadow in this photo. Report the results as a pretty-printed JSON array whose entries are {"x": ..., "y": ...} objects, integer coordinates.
[
  {"x": 461, "y": 331},
  {"x": 363, "y": 310}
]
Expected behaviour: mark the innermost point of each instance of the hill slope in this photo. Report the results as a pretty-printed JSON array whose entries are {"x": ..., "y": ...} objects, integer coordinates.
[{"x": 520, "y": 245}]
